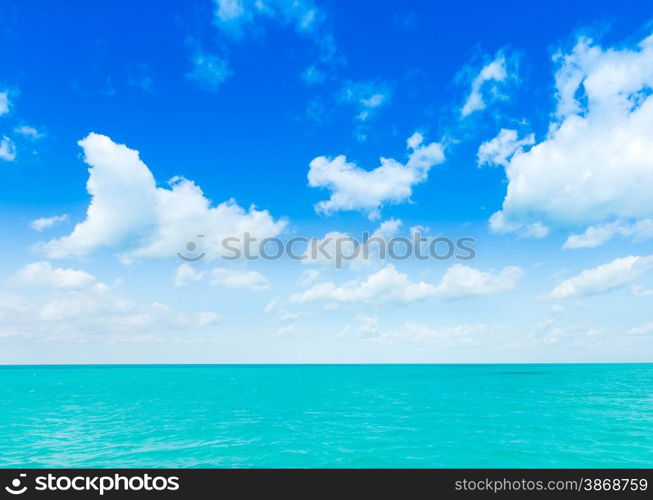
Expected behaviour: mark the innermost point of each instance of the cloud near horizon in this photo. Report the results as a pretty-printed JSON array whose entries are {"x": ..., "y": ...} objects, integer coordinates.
[
  {"x": 94, "y": 312},
  {"x": 390, "y": 286}
]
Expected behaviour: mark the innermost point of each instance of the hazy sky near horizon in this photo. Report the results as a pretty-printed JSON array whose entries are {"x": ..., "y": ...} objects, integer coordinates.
[{"x": 127, "y": 130}]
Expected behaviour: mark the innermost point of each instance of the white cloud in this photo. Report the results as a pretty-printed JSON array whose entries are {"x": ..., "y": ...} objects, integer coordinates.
[
  {"x": 308, "y": 277},
  {"x": 599, "y": 234},
  {"x": 94, "y": 312},
  {"x": 186, "y": 274},
  {"x": 603, "y": 278},
  {"x": 370, "y": 328},
  {"x": 498, "y": 224},
  {"x": 7, "y": 149},
  {"x": 283, "y": 316},
  {"x": 388, "y": 229},
  {"x": 129, "y": 213},
  {"x": 485, "y": 83},
  {"x": 43, "y": 223},
  {"x": 230, "y": 10},
  {"x": 29, "y": 132},
  {"x": 534, "y": 230},
  {"x": 596, "y": 163},
  {"x": 499, "y": 150},
  {"x": 209, "y": 70},
  {"x": 338, "y": 249},
  {"x": 389, "y": 285},
  {"x": 461, "y": 282},
  {"x": 386, "y": 285},
  {"x": 367, "y": 97},
  {"x": 646, "y": 329},
  {"x": 334, "y": 249},
  {"x": 241, "y": 17},
  {"x": 42, "y": 274},
  {"x": 353, "y": 188},
  {"x": 234, "y": 15},
  {"x": 272, "y": 306},
  {"x": 423, "y": 334},
  {"x": 418, "y": 333},
  {"x": 594, "y": 236},
  {"x": 534, "y": 339},
  {"x": 228, "y": 278},
  {"x": 4, "y": 103}
]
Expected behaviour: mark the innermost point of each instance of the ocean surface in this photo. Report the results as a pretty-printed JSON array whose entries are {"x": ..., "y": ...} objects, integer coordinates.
[{"x": 327, "y": 416}]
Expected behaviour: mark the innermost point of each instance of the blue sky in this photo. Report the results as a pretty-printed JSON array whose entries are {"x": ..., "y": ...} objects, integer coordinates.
[{"x": 526, "y": 128}]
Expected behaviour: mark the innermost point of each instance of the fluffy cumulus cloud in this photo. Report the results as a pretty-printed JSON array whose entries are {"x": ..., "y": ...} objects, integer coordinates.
[
  {"x": 603, "y": 278},
  {"x": 596, "y": 163},
  {"x": 486, "y": 85},
  {"x": 461, "y": 282},
  {"x": 386, "y": 285},
  {"x": 43, "y": 223},
  {"x": 130, "y": 214},
  {"x": 354, "y": 188},
  {"x": 7, "y": 149},
  {"x": 389, "y": 285},
  {"x": 42, "y": 274}
]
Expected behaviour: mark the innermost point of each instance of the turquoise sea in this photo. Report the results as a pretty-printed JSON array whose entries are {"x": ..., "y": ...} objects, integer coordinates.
[{"x": 327, "y": 416}]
